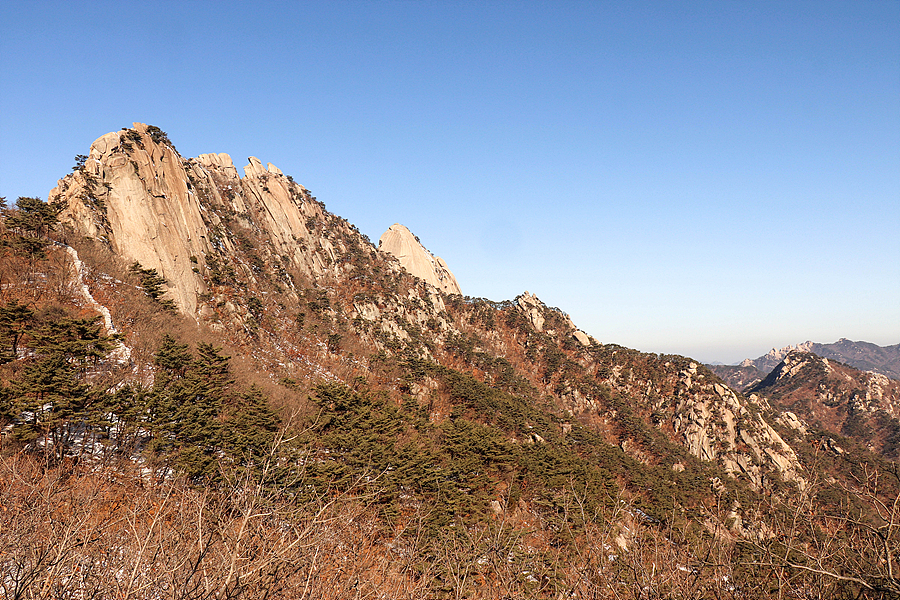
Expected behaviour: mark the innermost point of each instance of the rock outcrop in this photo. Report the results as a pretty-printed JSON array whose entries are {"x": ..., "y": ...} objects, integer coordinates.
[
  {"x": 713, "y": 422},
  {"x": 399, "y": 242},
  {"x": 136, "y": 193},
  {"x": 717, "y": 425},
  {"x": 533, "y": 309}
]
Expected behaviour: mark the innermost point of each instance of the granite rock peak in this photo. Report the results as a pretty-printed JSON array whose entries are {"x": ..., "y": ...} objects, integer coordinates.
[
  {"x": 400, "y": 242},
  {"x": 152, "y": 206}
]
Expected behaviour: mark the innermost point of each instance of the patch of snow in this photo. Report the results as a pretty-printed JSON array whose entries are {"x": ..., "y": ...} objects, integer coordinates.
[{"x": 121, "y": 352}]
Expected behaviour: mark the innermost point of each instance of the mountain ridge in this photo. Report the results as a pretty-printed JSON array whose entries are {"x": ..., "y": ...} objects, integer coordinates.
[
  {"x": 861, "y": 355},
  {"x": 864, "y": 356},
  {"x": 837, "y": 398},
  {"x": 492, "y": 439},
  {"x": 256, "y": 224}
]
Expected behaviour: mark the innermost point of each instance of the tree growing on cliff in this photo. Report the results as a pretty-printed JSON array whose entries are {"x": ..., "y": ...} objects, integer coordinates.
[{"x": 151, "y": 283}]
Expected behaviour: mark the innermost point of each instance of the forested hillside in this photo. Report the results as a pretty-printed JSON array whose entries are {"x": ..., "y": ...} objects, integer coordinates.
[{"x": 270, "y": 407}]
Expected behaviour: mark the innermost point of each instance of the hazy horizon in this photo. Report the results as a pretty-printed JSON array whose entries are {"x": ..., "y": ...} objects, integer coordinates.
[{"x": 712, "y": 179}]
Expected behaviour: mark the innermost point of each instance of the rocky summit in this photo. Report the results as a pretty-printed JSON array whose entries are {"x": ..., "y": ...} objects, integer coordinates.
[
  {"x": 211, "y": 386},
  {"x": 401, "y": 243},
  {"x": 152, "y": 206}
]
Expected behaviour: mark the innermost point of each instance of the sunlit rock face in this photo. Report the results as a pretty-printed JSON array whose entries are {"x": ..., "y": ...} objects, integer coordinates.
[
  {"x": 402, "y": 244},
  {"x": 137, "y": 194}
]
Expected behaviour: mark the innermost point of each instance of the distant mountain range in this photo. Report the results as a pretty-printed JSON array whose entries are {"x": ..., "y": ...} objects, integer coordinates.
[
  {"x": 836, "y": 398},
  {"x": 864, "y": 356}
]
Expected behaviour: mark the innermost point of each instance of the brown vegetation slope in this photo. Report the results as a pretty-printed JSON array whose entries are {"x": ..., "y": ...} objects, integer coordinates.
[{"x": 370, "y": 436}]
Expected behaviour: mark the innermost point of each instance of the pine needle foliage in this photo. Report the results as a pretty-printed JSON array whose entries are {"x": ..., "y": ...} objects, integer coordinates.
[
  {"x": 152, "y": 284},
  {"x": 197, "y": 417},
  {"x": 30, "y": 223},
  {"x": 49, "y": 399},
  {"x": 15, "y": 320}
]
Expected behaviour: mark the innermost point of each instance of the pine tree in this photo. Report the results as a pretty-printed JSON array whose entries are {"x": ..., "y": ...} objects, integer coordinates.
[
  {"x": 185, "y": 407},
  {"x": 250, "y": 426},
  {"x": 78, "y": 341},
  {"x": 173, "y": 357},
  {"x": 49, "y": 397},
  {"x": 151, "y": 283},
  {"x": 157, "y": 406},
  {"x": 196, "y": 417},
  {"x": 7, "y": 409},
  {"x": 34, "y": 216},
  {"x": 206, "y": 386},
  {"x": 15, "y": 320},
  {"x": 212, "y": 368}
]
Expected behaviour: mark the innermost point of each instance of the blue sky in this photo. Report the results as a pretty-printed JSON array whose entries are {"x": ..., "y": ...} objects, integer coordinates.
[{"x": 703, "y": 178}]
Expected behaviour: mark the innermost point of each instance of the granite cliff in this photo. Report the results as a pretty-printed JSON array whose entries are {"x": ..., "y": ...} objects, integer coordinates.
[
  {"x": 136, "y": 193},
  {"x": 399, "y": 241}
]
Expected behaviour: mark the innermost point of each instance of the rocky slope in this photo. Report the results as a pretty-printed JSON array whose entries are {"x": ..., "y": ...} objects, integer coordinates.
[{"x": 837, "y": 398}]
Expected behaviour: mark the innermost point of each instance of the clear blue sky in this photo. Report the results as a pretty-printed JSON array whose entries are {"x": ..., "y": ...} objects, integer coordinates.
[{"x": 704, "y": 178}]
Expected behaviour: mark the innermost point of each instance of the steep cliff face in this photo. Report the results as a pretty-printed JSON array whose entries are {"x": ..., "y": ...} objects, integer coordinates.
[
  {"x": 151, "y": 205},
  {"x": 133, "y": 193},
  {"x": 398, "y": 241}
]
